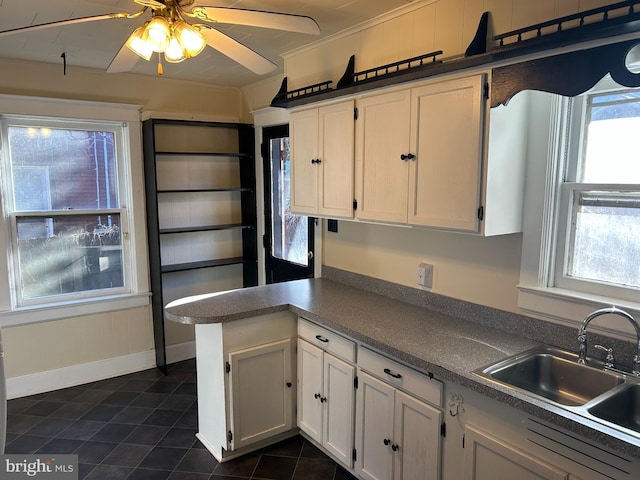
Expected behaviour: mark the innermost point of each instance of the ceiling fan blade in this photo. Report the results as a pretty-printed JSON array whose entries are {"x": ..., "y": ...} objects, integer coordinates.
[
  {"x": 60, "y": 23},
  {"x": 124, "y": 61},
  {"x": 256, "y": 18},
  {"x": 237, "y": 51}
]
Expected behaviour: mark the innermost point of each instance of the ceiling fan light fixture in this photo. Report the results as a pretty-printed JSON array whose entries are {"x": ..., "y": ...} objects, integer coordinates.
[
  {"x": 138, "y": 44},
  {"x": 174, "y": 52},
  {"x": 191, "y": 39},
  {"x": 158, "y": 33}
]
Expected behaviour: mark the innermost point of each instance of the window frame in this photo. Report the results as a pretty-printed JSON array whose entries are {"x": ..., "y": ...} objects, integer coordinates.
[
  {"x": 550, "y": 144},
  {"x": 131, "y": 208},
  {"x": 120, "y": 145}
]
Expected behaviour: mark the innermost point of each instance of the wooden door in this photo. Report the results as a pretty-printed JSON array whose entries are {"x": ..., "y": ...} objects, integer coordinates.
[
  {"x": 417, "y": 439},
  {"x": 261, "y": 392},
  {"x": 336, "y": 141},
  {"x": 303, "y": 127},
  {"x": 382, "y": 137},
  {"x": 338, "y": 408},
  {"x": 447, "y": 139},
  {"x": 310, "y": 389},
  {"x": 374, "y": 428}
]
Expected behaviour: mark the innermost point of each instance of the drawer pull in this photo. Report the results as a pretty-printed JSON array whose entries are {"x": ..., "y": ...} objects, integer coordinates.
[
  {"x": 386, "y": 441},
  {"x": 391, "y": 374},
  {"x": 395, "y": 448},
  {"x": 322, "y": 339}
]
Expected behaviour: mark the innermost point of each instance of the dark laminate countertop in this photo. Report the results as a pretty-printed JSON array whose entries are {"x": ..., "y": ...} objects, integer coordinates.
[{"x": 447, "y": 346}]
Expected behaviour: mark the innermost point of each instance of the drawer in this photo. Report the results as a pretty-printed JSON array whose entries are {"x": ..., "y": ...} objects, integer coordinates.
[
  {"x": 327, "y": 340},
  {"x": 400, "y": 376}
]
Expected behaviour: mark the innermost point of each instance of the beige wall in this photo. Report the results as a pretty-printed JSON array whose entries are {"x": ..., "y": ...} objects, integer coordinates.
[
  {"x": 79, "y": 340},
  {"x": 154, "y": 94}
]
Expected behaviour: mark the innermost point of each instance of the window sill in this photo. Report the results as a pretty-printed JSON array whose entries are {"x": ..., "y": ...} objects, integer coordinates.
[
  {"x": 569, "y": 308},
  {"x": 78, "y": 308}
]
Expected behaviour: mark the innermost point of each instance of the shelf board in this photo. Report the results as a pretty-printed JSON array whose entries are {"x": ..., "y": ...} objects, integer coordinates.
[
  {"x": 204, "y": 154},
  {"x": 181, "y": 267},
  {"x": 204, "y": 190},
  {"x": 203, "y": 228}
]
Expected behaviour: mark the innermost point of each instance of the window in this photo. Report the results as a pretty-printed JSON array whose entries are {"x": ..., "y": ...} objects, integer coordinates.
[
  {"x": 598, "y": 241},
  {"x": 63, "y": 193},
  {"x": 581, "y": 242}
]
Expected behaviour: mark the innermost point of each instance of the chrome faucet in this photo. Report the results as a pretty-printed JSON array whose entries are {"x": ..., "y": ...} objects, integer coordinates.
[{"x": 582, "y": 334}]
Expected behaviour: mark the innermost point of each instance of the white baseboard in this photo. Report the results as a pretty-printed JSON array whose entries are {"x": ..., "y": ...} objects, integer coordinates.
[
  {"x": 49, "y": 380},
  {"x": 180, "y": 352}
]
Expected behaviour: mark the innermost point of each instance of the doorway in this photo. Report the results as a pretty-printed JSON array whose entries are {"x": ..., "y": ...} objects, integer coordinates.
[{"x": 289, "y": 238}]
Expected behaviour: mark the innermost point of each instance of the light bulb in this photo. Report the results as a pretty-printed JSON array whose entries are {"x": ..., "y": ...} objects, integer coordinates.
[
  {"x": 138, "y": 44},
  {"x": 174, "y": 52},
  {"x": 191, "y": 39},
  {"x": 158, "y": 33}
]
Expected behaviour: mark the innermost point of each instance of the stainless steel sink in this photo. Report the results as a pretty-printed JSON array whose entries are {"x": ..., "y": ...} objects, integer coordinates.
[
  {"x": 621, "y": 408},
  {"x": 554, "y": 375}
]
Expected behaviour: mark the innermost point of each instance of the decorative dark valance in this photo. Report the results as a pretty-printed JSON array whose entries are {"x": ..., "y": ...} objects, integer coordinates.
[{"x": 569, "y": 74}]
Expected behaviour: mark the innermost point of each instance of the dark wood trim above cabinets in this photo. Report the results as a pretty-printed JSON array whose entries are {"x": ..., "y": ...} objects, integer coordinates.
[{"x": 569, "y": 73}]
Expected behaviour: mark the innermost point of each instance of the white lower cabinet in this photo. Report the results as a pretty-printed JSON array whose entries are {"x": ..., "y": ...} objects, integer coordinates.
[
  {"x": 261, "y": 382},
  {"x": 326, "y": 400},
  {"x": 246, "y": 383},
  {"x": 397, "y": 434},
  {"x": 489, "y": 458}
]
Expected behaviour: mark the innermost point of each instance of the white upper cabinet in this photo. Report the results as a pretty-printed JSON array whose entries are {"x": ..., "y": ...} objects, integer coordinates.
[
  {"x": 382, "y": 176},
  {"x": 322, "y": 149},
  {"x": 446, "y": 142},
  {"x": 425, "y": 157}
]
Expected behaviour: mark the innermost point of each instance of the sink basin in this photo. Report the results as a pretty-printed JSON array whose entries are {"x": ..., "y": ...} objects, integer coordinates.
[
  {"x": 621, "y": 408},
  {"x": 554, "y": 375}
]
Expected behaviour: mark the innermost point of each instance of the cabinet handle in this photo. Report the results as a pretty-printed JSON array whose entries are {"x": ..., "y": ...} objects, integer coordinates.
[
  {"x": 395, "y": 448},
  {"x": 316, "y": 161},
  {"x": 391, "y": 374},
  {"x": 322, "y": 339},
  {"x": 406, "y": 157},
  {"x": 316, "y": 395},
  {"x": 289, "y": 384},
  {"x": 386, "y": 441},
  {"x": 323, "y": 399}
]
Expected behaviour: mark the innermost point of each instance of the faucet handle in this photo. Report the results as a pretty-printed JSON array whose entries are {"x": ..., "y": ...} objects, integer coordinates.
[{"x": 609, "y": 360}]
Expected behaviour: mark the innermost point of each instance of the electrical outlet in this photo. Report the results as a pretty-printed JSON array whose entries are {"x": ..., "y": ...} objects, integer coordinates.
[{"x": 425, "y": 275}]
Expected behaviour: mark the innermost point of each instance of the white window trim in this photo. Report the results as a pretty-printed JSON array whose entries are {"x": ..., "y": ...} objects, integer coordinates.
[
  {"x": 134, "y": 202},
  {"x": 557, "y": 305}
]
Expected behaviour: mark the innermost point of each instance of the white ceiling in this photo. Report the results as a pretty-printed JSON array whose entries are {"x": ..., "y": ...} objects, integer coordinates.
[{"x": 94, "y": 44}]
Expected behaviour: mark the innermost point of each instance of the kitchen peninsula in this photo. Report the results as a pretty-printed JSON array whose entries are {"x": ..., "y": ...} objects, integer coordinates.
[{"x": 407, "y": 327}]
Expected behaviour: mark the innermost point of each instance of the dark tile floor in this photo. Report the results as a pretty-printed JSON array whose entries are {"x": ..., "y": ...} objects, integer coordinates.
[{"x": 142, "y": 427}]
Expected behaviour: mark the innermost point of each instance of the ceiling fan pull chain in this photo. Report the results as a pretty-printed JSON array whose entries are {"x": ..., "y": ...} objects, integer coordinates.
[{"x": 160, "y": 70}]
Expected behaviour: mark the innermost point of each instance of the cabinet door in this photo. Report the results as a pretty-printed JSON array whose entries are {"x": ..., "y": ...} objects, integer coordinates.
[
  {"x": 310, "y": 389},
  {"x": 374, "y": 428},
  {"x": 336, "y": 140},
  {"x": 382, "y": 136},
  {"x": 447, "y": 139},
  {"x": 303, "y": 130},
  {"x": 489, "y": 458},
  {"x": 260, "y": 392},
  {"x": 417, "y": 439},
  {"x": 338, "y": 408}
]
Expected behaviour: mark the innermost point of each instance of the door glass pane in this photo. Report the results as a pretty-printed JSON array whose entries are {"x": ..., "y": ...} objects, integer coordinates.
[{"x": 288, "y": 231}]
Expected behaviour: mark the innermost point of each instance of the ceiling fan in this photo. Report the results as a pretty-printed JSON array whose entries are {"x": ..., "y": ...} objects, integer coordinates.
[{"x": 167, "y": 32}]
